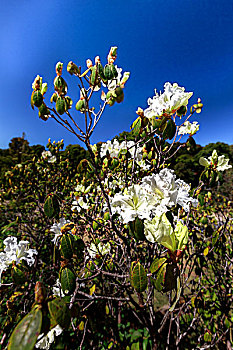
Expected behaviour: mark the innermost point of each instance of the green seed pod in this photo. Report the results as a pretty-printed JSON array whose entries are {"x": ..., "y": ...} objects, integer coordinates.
[
  {"x": 108, "y": 71},
  {"x": 111, "y": 101},
  {"x": 114, "y": 71},
  {"x": 60, "y": 85},
  {"x": 53, "y": 97},
  {"x": 80, "y": 105},
  {"x": 68, "y": 280},
  {"x": 61, "y": 105},
  {"x": 66, "y": 245},
  {"x": 44, "y": 112},
  {"x": 100, "y": 71},
  {"x": 94, "y": 76},
  {"x": 37, "y": 98},
  {"x": 69, "y": 102},
  {"x": 72, "y": 68}
]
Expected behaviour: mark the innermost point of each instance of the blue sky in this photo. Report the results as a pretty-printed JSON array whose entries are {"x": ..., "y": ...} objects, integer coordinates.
[{"x": 183, "y": 41}]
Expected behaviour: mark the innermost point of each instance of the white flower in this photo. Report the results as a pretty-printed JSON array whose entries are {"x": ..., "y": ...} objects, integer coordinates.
[
  {"x": 132, "y": 204},
  {"x": 48, "y": 155},
  {"x": 188, "y": 128},
  {"x": 99, "y": 249},
  {"x": 52, "y": 159},
  {"x": 16, "y": 252},
  {"x": 57, "y": 291},
  {"x": 56, "y": 228},
  {"x": 220, "y": 163},
  {"x": 80, "y": 188},
  {"x": 160, "y": 230},
  {"x": 168, "y": 102},
  {"x": 79, "y": 204},
  {"x": 183, "y": 198},
  {"x": 44, "y": 342},
  {"x": 37, "y": 80},
  {"x": 114, "y": 148},
  {"x": 162, "y": 190}
]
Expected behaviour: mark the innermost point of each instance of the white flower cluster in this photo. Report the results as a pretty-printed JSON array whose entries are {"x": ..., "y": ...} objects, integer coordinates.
[
  {"x": 79, "y": 204},
  {"x": 160, "y": 230},
  {"x": 45, "y": 341},
  {"x": 48, "y": 156},
  {"x": 219, "y": 162},
  {"x": 153, "y": 197},
  {"x": 56, "y": 229},
  {"x": 168, "y": 102},
  {"x": 114, "y": 148},
  {"x": 81, "y": 201},
  {"x": 99, "y": 249},
  {"x": 15, "y": 252},
  {"x": 188, "y": 128}
]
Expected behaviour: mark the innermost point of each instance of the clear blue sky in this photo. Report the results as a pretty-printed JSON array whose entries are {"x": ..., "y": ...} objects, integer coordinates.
[{"x": 185, "y": 41}]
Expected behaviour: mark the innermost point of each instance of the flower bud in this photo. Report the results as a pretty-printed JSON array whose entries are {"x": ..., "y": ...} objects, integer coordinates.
[
  {"x": 59, "y": 67},
  {"x": 72, "y": 68},
  {"x": 89, "y": 63}
]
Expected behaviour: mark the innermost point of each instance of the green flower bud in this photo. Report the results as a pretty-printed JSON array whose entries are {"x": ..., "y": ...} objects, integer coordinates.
[
  {"x": 53, "y": 97},
  {"x": 81, "y": 105},
  {"x": 37, "y": 98},
  {"x": 60, "y": 85},
  {"x": 72, "y": 68},
  {"x": 61, "y": 105}
]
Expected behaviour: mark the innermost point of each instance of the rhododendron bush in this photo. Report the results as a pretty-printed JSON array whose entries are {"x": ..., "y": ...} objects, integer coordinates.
[{"x": 123, "y": 254}]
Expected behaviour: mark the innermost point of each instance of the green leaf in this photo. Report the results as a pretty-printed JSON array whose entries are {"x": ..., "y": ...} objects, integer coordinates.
[
  {"x": 59, "y": 312},
  {"x": 160, "y": 278},
  {"x": 26, "y": 332},
  {"x": 207, "y": 337},
  {"x": 170, "y": 130},
  {"x": 68, "y": 281},
  {"x": 66, "y": 245},
  {"x": 51, "y": 206},
  {"x": 139, "y": 278},
  {"x": 137, "y": 229},
  {"x": 137, "y": 125},
  {"x": 156, "y": 264}
]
